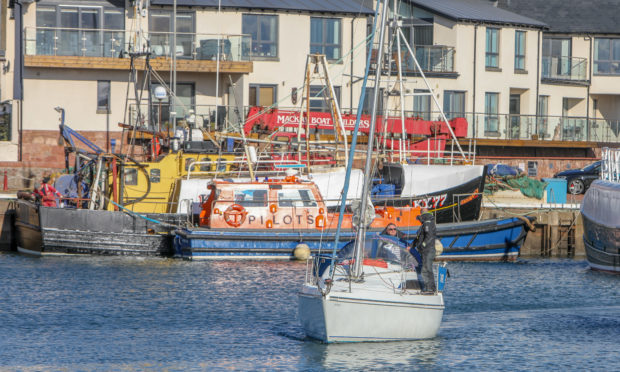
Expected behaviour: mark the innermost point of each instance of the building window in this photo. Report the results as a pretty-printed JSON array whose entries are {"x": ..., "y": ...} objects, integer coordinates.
[
  {"x": 422, "y": 104},
  {"x": 103, "y": 96},
  {"x": 519, "y": 50},
  {"x": 491, "y": 117},
  {"x": 492, "y": 48},
  {"x": 556, "y": 59},
  {"x": 160, "y": 29},
  {"x": 319, "y": 98},
  {"x": 5, "y": 122},
  {"x": 186, "y": 101},
  {"x": 263, "y": 95},
  {"x": 607, "y": 56},
  {"x": 325, "y": 37},
  {"x": 453, "y": 104},
  {"x": 80, "y": 31},
  {"x": 264, "y": 32}
]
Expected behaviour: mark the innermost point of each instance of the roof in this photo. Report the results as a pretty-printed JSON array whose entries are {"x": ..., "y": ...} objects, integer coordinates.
[
  {"x": 323, "y": 6},
  {"x": 476, "y": 11},
  {"x": 570, "y": 16}
]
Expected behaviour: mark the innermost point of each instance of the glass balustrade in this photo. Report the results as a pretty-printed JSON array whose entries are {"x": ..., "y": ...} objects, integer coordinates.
[{"x": 52, "y": 41}]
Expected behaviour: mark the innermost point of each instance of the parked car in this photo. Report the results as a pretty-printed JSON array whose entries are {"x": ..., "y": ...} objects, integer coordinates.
[
  {"x": 578, "y": 180},
  {"x": 503, "y": 170}
]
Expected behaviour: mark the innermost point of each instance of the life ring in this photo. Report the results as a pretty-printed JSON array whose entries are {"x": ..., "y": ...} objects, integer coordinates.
[{"x": 235, "y": 215}]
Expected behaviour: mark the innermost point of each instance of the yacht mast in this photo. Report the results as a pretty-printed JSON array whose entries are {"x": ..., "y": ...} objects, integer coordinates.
[
  {"x": 361, "y": 231},
  {"x": 345, "y": 188}
]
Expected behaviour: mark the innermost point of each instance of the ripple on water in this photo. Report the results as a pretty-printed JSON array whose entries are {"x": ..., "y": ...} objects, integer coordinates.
[{"x": 124, "y": 313}]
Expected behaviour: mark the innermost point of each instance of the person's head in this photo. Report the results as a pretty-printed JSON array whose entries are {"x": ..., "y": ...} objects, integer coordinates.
[
  {"x": 422, "y": 211},
  {"x": 391, "y": 229},
  {"x": 46, "y": 179}
]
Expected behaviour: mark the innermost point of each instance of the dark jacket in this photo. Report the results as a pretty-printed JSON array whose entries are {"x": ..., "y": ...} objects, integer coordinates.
[{"x": 426, "y": 233}]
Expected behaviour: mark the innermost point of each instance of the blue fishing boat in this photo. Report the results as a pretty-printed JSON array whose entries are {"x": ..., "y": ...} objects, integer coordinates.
[{"x": 488, "y": 240}]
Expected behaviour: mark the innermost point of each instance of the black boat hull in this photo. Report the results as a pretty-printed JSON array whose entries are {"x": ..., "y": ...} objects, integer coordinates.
[
  {"x": 49, "y": 230},
  {"x": 460, "y": 203}
]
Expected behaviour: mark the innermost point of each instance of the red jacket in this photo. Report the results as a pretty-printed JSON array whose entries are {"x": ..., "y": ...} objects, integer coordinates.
[{"x": 48, "y": 195}]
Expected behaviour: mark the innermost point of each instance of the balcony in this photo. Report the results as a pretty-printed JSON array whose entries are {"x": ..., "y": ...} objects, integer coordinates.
[
  {"x": 565, "y": 69},
  {"x": 108, "y": 49},
  {"x": 433, "y": 60},
  {"x": 542, "y": 128}
]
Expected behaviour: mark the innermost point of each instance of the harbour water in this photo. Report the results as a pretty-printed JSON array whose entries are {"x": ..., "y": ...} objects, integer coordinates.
[{"x": 118, "y": 313}]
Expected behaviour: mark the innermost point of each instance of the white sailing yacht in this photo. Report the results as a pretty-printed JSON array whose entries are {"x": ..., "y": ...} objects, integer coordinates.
[{"x": 369, "y": 291}]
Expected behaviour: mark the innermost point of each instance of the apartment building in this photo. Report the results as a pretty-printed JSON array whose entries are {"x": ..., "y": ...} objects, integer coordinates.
[
  {"x": 580, "y": 64},
  {"x": 76, "y": 55},
  {"x": 481, "y": 62},
  {"x": 534, "y": 79},
  {"x": 537, "y": 81}
]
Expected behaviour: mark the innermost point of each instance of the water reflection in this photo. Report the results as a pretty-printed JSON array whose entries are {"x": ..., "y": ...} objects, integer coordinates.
[{"x": 421, "y": 354}]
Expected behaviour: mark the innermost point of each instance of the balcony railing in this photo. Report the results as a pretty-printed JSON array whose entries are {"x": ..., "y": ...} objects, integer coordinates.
[
  {"x": 532, "y": 127},
  {"x": 564, "y": 68},
  {"x": 53, "y": 41},
  {"x": 433, "y": 58},
  {"x": 480, "y": 125},
  {"x": 202, "y": 46}
]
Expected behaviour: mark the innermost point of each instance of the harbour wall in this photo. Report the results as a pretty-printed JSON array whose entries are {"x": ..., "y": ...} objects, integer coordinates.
[{"x": 558, "y": 230}]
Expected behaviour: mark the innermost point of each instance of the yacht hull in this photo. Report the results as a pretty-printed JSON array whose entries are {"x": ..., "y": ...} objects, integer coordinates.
[{"x": 364, "y": 316}]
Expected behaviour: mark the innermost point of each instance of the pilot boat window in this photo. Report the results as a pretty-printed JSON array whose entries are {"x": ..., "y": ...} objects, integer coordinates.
[
  {"x": 131, "y": 176},
  {"x": 251, "y": 198},
  {"x": 296, "y": 198},
  {"x": 155, "y": 175}
]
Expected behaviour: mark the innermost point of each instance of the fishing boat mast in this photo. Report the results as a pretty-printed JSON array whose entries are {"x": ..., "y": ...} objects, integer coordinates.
[{"x": 173, "y": 69}]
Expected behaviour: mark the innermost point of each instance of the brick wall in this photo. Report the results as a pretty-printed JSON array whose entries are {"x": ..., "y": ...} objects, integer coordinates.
[{"x": 43, "y": 154}]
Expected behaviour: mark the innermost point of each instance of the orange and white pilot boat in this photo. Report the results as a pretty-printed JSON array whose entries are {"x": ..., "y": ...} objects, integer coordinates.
[
  {"x": 276, "y": 218},
  {"x": 272, "y": 218}
]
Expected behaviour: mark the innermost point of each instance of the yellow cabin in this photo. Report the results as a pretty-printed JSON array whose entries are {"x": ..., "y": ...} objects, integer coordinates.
[{"x": 153, "y": 186}]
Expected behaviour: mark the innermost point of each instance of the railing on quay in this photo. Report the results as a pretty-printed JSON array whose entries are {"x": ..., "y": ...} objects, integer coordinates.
[{"x": 56, "y": 41}]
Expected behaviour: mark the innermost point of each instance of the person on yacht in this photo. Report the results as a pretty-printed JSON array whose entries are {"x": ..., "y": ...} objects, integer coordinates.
[{"x": 424, "y": 243}]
